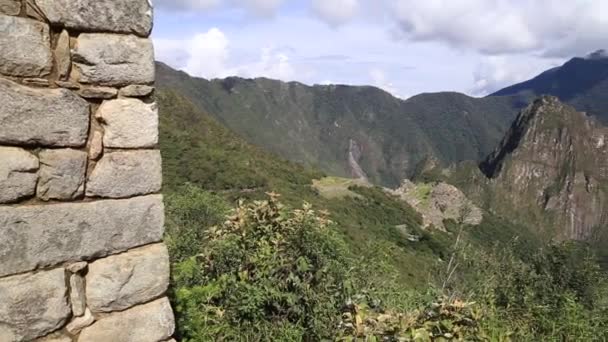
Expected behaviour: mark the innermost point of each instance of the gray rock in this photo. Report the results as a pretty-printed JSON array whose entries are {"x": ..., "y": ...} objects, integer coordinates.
[
  {"x": 125, "y": 16},
  {"x": 136, "y": 90},
  {"x": 33, "y": 305},
  {"x": 10, "y": 7},
  {"x": 17, "y": 174},
  {"x": 122, "y": 281},
  {"x": 77, "y": 294},
  {"x": 79, "y": 323},
  {"x": 77, "y": 267},
  {"x": 114, "y": 60},
  {"x": 62, "y": 174},
  {"x": 55, "y": 337},
  {"x": 126, "y": 174},
  {"x": 62, "y": 55},
  {"x": 36, "y": 82},
  {"x": 129, "y": 123},
  {"x": 96, "y": 147},
  {"x": 25, "y": 47},
  {"x": 98, "y": 92},
  {"x": 44, "y": 235},
  {"x": 49, "y": 117},
  {"x": 151, "y": 322}
]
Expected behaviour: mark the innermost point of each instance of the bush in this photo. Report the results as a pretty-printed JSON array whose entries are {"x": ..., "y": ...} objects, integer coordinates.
[{"x": 266, "y": 271}]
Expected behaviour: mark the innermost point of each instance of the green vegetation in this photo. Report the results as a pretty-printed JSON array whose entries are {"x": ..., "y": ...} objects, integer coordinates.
[
  {"x": 314, "y": 125},
  {"x": 248, "y": 266}
]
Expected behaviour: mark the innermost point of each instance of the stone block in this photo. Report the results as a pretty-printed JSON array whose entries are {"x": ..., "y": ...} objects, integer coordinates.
[
  {"x": 44, "y": 235},
  {"x": 10, "y": 7},
  {"x": 25, "y": 47},
  {"x": 98, "y": 92},
  {"x": 114, "y": 60},
  {"x": 62, "y": 174},
  {"x": 136, "y": 90},
  {"x": 96, "y": 147},
  {"x": 17, "y": 174},
  {"x": 33, "y": 305},
  {"x": 79, "y": 323},
  {"x": 47, "y": 117},
  {"x": 124, "y": 16},
  {"x": 126, "y": 174},
  {"x": 150, "y": 322},
  {"x": 63, "y": 58},
  {"x": 77, "y": 294},
  {"x": 122, "y": 281},
  {"x": 129, "y": 123}
]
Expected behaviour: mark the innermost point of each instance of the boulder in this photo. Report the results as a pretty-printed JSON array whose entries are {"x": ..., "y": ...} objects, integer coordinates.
[
  {"x": 47, "y": 117},
  {"x": 62, "y": 174},
  {"x": 100, "y": 62},
  {"x": 33, "y": 305},
  {"x": 126, "y": 174},
  {"x": 129, "y": 123},
  {"x": 25, "y": 47},
  {"x": 121, "y": 281},
  {"x": 150, "y": 322},
  {"x": 37, "y": 236},
  {"x": 124, "y": 16},
  {"x": 17, "y": 174}
]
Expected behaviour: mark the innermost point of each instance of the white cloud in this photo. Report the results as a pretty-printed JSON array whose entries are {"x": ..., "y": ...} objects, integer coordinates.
[
  {"x": 209, "y": 55},
  {"x": 335, "y": 12},
  {"x": 197, "y": 5},
  {"x": 496, "y": 72},
  {"x": 493, "y": 27},
  {"x": 379, "y": 79},
  {"x": 265, "y": 8}
]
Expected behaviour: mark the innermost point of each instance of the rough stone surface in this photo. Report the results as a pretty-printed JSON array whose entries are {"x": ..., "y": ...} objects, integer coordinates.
[
  {"x": 96, "y": 147},
  {"x": 77, "y": 267},
  {"x": 36, "y": 82},
  {"x": 121, "y": 281},
  {"x": 17, "y": 174},
  {"x": 77, "y": 294},
  {"x": 129, "y": 123},
  {"x": 37, "y": 236},
  {"x": 33, "y": 305},
  {"x": 79, "y": 323},
  {"x": 62, "y": 174},
  {"x": 124, "y": 16},
  {"x": 98, "y": 92},
  {"x": 62, "y": 55},
  {"x": 10, "y": 7},
  {"x": 126, "y": 174},
  {"x": 55, "y": 337},
  {"x": 151, "y": 322},
  {"x": 50, "y": 117},
  {"x": 25, "y": 47},
  {"x": 136, "y": 90},
  {"x": 100, "y": 61}
]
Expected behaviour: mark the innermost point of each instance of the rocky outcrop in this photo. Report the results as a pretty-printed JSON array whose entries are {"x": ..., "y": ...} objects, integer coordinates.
[
  {"x": 552, "y": 170},
  {"x": 437, "y": 202},
  {"x": 81, "y": 217}
]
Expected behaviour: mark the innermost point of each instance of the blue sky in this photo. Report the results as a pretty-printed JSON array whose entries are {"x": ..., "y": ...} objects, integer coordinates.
[{"x": 403, "y": 46}]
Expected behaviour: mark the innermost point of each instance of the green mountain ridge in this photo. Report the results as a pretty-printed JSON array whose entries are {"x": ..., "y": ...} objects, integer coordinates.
[{"x": 318, "y": 125}]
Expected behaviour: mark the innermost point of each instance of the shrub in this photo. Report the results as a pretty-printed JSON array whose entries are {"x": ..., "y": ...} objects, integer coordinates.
[{"x": 266, "y": 271}]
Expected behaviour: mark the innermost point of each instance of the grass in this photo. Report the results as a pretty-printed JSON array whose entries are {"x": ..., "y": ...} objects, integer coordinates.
[{"x": 337, "y": 187}]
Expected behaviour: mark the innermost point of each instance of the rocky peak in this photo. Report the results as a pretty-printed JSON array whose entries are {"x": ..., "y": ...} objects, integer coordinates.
[{"x": 554, "y": 160}]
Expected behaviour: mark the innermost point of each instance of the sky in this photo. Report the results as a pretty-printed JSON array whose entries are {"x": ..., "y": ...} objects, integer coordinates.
[{"x": 405, "y": 47}]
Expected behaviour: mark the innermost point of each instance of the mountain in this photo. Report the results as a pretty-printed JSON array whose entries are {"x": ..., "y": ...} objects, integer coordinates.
[
  {"x": 550, "y": 171},
  {"x": 346, "y": 130},
  {"x": 580, "y": 82}
]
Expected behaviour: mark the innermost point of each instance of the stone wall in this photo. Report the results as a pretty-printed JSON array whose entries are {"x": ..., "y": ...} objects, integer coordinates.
[{"x": 81, "y": 220}]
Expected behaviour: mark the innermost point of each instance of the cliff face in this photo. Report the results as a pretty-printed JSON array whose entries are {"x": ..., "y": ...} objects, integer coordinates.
[{"x": 552, "y": 167}]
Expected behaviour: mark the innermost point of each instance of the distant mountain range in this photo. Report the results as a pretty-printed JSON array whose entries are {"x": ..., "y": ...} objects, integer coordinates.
[{"x": 366, "y": 132}]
